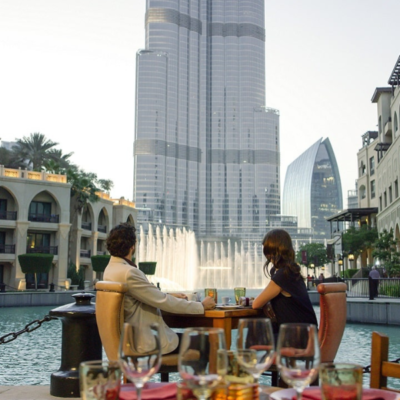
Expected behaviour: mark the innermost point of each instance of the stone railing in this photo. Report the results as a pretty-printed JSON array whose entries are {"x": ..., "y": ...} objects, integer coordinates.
[{"x": 34, "y": 175}]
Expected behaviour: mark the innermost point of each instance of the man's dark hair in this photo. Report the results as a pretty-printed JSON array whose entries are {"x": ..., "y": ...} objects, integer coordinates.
[{"x": 120, "y": 239}]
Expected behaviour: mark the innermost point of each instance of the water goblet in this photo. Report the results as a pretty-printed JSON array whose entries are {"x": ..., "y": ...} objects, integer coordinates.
[
  {"x": 298, "y": 355},
  {"x": 139, "y": 353},
  {"x": 255, "y": 345},
  {"x": 239, "y": 292},
  {"x": 99, "y": 380},
  {"x": 203, "y": 360}
]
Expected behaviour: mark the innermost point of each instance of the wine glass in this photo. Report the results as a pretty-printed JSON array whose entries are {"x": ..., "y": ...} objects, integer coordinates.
[
  {"x": 298, "y": 355},
  {"x": 203, "y": 360},
  {"x": 139, "y": 353},
  {"x": 255, "y": 345}
]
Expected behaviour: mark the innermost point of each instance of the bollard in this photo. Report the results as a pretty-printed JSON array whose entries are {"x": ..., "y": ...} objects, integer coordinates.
[
  {"x": 80, "y": 342},
  {"x": 51, "y": 287},
  {"x": 2, "y": 287}
]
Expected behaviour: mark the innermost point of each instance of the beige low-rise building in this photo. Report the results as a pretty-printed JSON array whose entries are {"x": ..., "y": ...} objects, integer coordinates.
[{"x": 36, "y": 217}]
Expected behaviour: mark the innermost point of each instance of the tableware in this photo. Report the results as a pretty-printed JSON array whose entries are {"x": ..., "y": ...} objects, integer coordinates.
[
  {"x": 341, "y": 381},
  {"x": 151, "y": 391},
  {"x": 239, "y": 292},
  {"x": 255, "y": 345},
  {"x": 202, "y": 361},
  {"x": 298, "y": 355},
  {"x": 140, "y": 353},
  {"x": 212, "y": 292},
  {"x": 225, "y": 300},
  {"x": 99, "y": 380},
  {"x": 236, "y": 372},
  {"x": 229, "y": 307},
  {"x": 314, "y": 393}
]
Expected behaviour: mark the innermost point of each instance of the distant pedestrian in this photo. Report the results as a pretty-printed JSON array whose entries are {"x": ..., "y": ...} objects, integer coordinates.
[{"x": 373, "y": 280}]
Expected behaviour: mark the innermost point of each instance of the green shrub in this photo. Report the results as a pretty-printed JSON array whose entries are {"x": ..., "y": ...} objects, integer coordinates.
[
  {"x": 148, "y": 267},
  {"x": 99, "y": 263},
  {"x": 391, "y": 289},
  {"x": 77, "y": 277},
  {"x": 348, "y": 273},
  {"x": 35, "y": 263}
]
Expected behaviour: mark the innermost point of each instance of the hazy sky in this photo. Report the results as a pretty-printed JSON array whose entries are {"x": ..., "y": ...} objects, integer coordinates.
[{"x": 67, "y": 70}]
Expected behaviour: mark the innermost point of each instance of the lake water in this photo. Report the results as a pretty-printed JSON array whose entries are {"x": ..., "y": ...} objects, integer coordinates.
[{"x": 33, "y": 357}]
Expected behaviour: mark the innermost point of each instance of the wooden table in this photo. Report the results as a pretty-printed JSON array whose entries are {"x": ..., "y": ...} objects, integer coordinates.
[{"x": 225, "y": 319}]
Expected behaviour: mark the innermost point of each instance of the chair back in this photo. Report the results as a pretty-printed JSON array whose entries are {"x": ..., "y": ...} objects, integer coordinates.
[
  {"x": 110, "y": 315},
  {"x": 381, "y": 368},
  {"x": 333, "y": 310}
]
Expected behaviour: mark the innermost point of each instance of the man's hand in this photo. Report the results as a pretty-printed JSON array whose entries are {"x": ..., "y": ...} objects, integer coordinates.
[
  {"x": 179, "y": 295},
  {"x": 208, "y": 303}
]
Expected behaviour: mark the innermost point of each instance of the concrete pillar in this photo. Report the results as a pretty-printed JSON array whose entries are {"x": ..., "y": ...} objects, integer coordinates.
[
  {"x": 20, "y": 240},
  {"x": 60, "y": 274}
]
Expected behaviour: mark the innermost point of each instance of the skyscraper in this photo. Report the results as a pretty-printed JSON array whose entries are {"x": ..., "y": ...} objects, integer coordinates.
[
  {"x": 312, "y": 189},
  {"x": 206, "y": 148}
]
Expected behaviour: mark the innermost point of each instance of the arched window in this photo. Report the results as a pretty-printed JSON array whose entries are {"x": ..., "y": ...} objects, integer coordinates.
[
  {"x": 395, "y": 122},
  {"x": 380, "y": 124},
  {"x": 362, "y": 192}
]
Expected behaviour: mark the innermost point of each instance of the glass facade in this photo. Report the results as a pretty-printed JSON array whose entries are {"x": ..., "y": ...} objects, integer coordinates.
[
  {"x": 312, "y": 189},
  {"x": 206, "y": 148}
]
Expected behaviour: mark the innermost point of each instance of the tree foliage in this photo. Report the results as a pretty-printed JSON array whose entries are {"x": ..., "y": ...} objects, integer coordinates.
[
  {"x": 357, "y": 240},
  {"x": 316, "y": 254},
  {"x": 385, "y": 250}
]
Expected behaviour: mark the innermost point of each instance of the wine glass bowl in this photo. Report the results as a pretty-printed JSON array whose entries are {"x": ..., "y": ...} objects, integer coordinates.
[
  {"x": 255, "y": 345},
  {"x": 203, "y": 360},
  {"x": 298, "y": 355},
  {"x": 140, "y": 353}
]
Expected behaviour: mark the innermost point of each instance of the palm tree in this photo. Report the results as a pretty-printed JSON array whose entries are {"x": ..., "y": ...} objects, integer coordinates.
[
  {"x": 58, "y": 163},
  {"x": 34, "y": 150}
]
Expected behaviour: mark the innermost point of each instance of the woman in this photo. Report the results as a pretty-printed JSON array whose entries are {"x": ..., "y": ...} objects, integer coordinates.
[
  {"x": 286, "y": 291},
  {"x": 143, "y": 301}
]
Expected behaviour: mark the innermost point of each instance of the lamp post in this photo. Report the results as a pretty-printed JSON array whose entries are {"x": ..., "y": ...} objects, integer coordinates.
[{"x": 340, "y": 263}]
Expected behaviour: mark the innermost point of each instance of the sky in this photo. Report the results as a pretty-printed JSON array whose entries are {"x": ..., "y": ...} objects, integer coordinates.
[{"x": 67, "y": 70}]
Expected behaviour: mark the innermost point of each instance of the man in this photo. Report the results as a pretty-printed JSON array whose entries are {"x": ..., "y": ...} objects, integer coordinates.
[
  {"x": 143, "y": 301},
  {"x": 373, "y": 283}
]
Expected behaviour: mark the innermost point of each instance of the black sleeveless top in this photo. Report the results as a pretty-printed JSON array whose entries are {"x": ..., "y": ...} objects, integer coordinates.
[{"x": 298, "y": 307}]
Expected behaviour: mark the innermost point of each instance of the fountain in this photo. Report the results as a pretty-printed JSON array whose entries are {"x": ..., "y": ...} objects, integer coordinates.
[{"x": 183, "y": 263}]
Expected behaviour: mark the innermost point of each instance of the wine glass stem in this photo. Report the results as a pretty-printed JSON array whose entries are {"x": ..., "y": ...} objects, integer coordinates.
[
  {"x": 299, "y": 394},
  {"x": 139, "y": 393}
]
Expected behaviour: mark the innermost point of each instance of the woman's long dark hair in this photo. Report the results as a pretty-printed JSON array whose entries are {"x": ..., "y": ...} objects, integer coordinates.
[{"x": 278, "y": 250}]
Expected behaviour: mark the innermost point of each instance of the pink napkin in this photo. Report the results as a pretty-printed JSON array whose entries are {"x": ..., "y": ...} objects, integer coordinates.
[
  {"x": 314, "y": 393},
  {"x": 152, "y": 391}
]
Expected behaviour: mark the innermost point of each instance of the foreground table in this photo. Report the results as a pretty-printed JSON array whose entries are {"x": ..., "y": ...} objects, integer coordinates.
[{"x": 225, "y": 319}]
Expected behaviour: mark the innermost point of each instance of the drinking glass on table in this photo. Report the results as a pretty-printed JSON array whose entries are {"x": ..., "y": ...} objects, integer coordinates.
[
  {"x": 255, "y": 345},
  {"x": 341, "y": 381},
  {"x": 202, "y": 361},
  {"x": 239, "y": 292},
  {"x": 139, "y": 353},
  {"x": 298, "y": 355},
  {"x": 99, "y": 380}
]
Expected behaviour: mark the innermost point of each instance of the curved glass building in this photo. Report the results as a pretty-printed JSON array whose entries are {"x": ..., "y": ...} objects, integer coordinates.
[
  {"x": 206, "y": 149},
  {"x": 312, "y": 189}
]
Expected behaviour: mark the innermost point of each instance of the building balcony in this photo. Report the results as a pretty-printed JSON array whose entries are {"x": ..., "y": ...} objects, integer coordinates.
[
  {"x": 8, "y": 215},
  {"x": 7, "y": 248},
  {"x": 44, "y": 218},
  {"x": 85, "y": 253},
  {"x": 388, "y": 128},
  {"x": 43, "y": 249},
  {"x": 86, "y": 225},
  {"x": 102, "y": 228}
]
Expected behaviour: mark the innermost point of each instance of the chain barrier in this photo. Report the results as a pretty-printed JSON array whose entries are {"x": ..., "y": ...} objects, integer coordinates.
[
  {"x": 367, "y": 369},
  {"x": 32, "y": 326}
]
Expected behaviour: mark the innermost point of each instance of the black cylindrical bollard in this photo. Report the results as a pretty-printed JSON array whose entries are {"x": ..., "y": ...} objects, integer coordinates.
[
  {"x": 80, "y": 342},
  {"x": 51, "y": 287}
]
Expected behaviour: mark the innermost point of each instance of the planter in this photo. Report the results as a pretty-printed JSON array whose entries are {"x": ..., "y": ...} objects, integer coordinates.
[{"x": 148, "y": 267}]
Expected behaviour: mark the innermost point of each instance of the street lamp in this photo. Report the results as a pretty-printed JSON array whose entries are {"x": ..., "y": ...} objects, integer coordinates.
[
  {"x": 340, "y": 263},
  {"x": 350, "y": 256}
]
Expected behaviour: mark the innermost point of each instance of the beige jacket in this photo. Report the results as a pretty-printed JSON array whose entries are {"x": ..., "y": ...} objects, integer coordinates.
[{"x": 143, "y": 301}]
